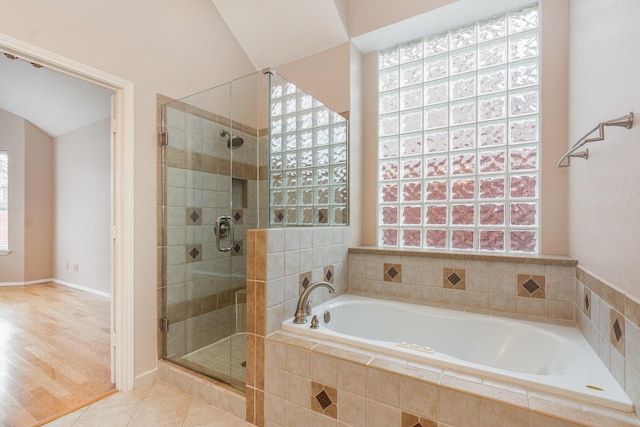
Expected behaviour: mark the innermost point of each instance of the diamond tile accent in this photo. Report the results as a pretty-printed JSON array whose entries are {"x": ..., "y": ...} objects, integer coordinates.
[
  {"x": 617, "y": 335},
  {"x": 411, "y": 420},
  {"x": 531, "y": 286},
  {"x": 454, "y": 278},
  {"x": 392, "y": 273},
  {"x": 304, "y": 280},
  {"x": 194, "y": 253},
  {"x": 617, "y": 331},
  {"x": 323, "y": 399},
  {"x": 238, "y": 216},
  {"x": 328, "y": 274},
  {"x": 237, "y": 249},
  {"x": 586, "y": 308},
  {"x": 194, "y": 216}
]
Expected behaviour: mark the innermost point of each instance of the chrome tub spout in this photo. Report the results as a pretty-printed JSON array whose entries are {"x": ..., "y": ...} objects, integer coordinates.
[{"x": 301, "y": 316}]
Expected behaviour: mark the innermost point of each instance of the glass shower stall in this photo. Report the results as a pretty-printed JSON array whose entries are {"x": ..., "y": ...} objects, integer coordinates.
[{"x": 256, "y": 152}]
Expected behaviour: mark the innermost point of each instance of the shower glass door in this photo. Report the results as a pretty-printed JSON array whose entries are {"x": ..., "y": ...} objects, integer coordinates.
[{"x": 211, "y": 171}]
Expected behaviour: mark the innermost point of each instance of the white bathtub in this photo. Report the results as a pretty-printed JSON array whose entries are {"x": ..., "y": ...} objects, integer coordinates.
[{"x": 541, "y": 357}]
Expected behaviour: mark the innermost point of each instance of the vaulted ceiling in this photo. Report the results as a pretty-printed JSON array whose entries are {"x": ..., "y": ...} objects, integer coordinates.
[{"x": 270, "y": 32}]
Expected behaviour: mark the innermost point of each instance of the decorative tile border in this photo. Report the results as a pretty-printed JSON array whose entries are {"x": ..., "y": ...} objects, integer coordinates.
[{"x": 530, "y": 291}]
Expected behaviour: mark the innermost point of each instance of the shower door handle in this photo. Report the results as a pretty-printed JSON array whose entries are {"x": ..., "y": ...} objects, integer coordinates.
[{"x": 224, "y": 228}]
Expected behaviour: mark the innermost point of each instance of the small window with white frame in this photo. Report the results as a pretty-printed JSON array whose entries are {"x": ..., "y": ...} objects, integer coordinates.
[
  {"x": 4, "y": 201},
  {"x": 458, "y": 138}
]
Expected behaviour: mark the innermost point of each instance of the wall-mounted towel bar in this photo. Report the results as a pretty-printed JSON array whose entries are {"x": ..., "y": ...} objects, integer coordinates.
[{"x": 565, "y": 160}]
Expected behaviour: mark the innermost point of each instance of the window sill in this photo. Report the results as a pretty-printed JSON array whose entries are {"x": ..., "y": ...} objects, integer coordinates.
[{"x": 3, "y": 253}]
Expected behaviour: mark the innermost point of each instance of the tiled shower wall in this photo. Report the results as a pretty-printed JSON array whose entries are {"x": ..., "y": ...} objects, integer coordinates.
[
  {"x": 531, "y": 288},
  {"x": 198, "y": 176},
  {"x": 610, "y": 320},
  {"x": 285, "y": 262}
]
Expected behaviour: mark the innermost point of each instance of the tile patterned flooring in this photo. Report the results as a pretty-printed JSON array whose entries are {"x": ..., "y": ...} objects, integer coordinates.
[
  {"x": 225, "y": 356},
  {"x": 153, "y": 403}
]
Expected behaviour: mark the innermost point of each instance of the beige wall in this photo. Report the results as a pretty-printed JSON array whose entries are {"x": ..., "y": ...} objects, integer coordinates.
[
  {"x": 324, "y": 76},
  {"x": 12, "y": 134},
  {"x": 38, "y": 213},
  {"x": 369, "y": 15},
  {"x": 604, "y": 201},
  {"x": 169, "y": 47},
  {"x": 82, "y": 207}
]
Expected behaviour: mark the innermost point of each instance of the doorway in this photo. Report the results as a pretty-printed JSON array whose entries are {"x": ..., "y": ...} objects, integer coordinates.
[{"x": 121, "y": 245}]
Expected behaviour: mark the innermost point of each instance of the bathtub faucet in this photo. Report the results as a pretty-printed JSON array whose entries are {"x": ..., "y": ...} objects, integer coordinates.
[{"x": 302, "y": 302}]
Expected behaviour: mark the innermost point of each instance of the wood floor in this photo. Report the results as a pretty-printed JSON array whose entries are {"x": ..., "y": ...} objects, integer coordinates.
[{"x": 54, "y": 352}]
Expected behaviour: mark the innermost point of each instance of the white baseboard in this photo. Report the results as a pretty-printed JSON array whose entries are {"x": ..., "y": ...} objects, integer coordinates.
[
  {"x": 59, "y": 282},
  {"x": 32, "y": 282},
  {"x": 81, "y": 288}
]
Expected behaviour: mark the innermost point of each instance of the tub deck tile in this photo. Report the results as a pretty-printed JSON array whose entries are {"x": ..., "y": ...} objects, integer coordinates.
[
  {"x": 575, "y": 412},
  {"x": 486, "y": 391},
  {"x": 344, "y": 352}
]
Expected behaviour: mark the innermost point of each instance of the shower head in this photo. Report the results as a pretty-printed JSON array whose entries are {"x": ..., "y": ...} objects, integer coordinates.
[{"x": 233, "y": 142}]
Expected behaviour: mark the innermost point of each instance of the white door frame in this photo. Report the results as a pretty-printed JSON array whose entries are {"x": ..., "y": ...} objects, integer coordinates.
[{"x": 122, "y": 326}]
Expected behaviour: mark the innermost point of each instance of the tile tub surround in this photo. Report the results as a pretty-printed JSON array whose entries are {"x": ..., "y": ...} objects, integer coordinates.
[
  {"x": 610, "y": 320},
  {"x": 366, "y": 389},
  {"x": 281, "y": 263},
  {"x": 529, "y": 287}
]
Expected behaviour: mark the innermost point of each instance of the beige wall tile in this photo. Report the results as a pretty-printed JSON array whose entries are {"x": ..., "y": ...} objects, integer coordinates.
[
  {"x": 298, "y": 361},
  {"x": 496, "y": 414},
  {"x": 276, "y": 354},
  {"x": 540, "y": 420},
  {"x": 274, "y": 410},
  {"x": 459, "y": 409},
  {"x": 383, "y": 387},
  {"x": 352, "y": 377},
  {"x": 297, "y": 416},
  {"x": 324, "y": 369},
  {"x": 503, "y": 303},
  {"x": 503, "y": 282},
  {"x": 560, "y": 310},
  {"x": 379, "y": 415},
  {"x": 275, "y": 382},
  {"x": 353, "y": 409},
  {"x": 298, "y": 390},
  {"x": 478, "y": 280},
  {"x": 419, "y": 398}
]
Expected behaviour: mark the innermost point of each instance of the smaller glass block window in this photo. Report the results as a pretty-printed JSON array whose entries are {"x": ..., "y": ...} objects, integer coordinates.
[
  {"x": 459, "y": 140},
  {"x": 4, "y": 201},
  {"x": 308, "y": 158}
]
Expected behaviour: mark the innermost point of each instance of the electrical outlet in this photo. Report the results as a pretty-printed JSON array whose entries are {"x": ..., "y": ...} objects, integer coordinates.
[
  {"x": 75, "y": 267},
  {"x": 67, "y": 266}
]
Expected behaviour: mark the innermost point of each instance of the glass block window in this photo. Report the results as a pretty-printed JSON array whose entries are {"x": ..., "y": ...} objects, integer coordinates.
[
  {"x": 4, "y": 201},
  {"x": 308, "y": 159},
  {"x": 458, "y": 146}
]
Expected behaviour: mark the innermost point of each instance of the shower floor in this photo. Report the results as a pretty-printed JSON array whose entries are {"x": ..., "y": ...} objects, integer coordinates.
[{"x": 227, "y": 357}]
